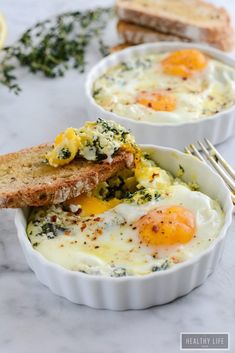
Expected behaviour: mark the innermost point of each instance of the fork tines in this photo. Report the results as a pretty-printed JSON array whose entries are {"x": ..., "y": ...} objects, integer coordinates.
[{"x": 207, "y": 152}]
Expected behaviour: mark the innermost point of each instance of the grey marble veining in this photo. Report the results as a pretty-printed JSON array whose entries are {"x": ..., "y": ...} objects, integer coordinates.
[{"x": 32, "y": 319}]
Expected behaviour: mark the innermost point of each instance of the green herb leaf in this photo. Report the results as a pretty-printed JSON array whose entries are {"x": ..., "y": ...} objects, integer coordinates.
[
  {"x": 54, "y": 46},
  {"x": 64, "y": 153}
]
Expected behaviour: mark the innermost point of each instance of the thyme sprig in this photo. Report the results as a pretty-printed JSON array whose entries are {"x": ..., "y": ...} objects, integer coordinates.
[{"x": 55, "y": 45}]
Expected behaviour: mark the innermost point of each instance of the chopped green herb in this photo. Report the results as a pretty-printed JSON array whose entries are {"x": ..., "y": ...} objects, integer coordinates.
[
  {"x": 55, "y": 45},
  {"x": 96, "y": 92},
  {"x": 47, "y": 228},
  {"x": 161, "y": 267},
  {"x": 119, "y": 272},
  {"x": 180, "y": 171},
  {"x": 126, "y": 66},
  {"x": 120, "y": 133},
  {"x": 142, "y": 196},
  {"x": 51, "y": 230},
  {"x": 64, "y": 153}
]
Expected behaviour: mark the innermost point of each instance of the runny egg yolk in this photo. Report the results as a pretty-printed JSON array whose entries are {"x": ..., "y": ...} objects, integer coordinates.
[
  {"x": 184, "y": 62},
  {"x": 167, "y": 226},
  {"x": 91, "y": 205},
  {"x": 157, "y": 100}
]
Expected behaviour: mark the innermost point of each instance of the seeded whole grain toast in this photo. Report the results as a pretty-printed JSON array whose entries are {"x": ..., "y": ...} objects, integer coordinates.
[
  {"x": 195, "y": 20},
  {"x": 27, "y": 180}
]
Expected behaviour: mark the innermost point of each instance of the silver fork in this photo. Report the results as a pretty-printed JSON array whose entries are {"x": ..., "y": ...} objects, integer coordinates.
[{"x": 208, "y": 153}]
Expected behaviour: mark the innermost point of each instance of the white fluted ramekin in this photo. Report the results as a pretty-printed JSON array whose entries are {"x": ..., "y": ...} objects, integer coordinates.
[
  {"x": 138, "y": 292},
  {"x": 217, "y": 128}
]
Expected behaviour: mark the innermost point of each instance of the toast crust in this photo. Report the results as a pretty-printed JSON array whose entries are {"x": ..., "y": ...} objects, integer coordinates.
[
  {"x": 135, "y": 34},
  {"x": 26, "y": 180},
  {"x": 219, "y": 34}
]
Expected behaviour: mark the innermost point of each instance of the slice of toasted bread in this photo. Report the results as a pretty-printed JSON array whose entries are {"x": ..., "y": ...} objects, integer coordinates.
[
  {"x": 193, "y": 19},
  {"x": 26, "y": 180},
  {"x": 119, "y": 47},
  {"x": 135, "y": 34}
]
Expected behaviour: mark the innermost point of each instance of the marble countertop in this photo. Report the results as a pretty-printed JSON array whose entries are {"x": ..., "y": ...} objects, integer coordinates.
[{"x": 32, "y": 319}]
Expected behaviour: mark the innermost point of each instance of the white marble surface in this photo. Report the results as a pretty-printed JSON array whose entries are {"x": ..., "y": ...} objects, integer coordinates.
[{"x": 32, "y": 319}]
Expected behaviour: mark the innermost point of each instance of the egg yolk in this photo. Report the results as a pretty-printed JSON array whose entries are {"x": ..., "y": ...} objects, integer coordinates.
[
  {"x": 157, "y": 100},
  {"x": 184, "y": 62},
  {"x": 167, "y": 226},
  {"x": 91, "y": 205},
  {"x": 66, "y": 146}
]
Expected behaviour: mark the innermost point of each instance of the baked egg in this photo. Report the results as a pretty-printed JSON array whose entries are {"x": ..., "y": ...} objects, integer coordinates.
[
  {"x": 171, "y": 87},
  {"x": 140, "y": 221}
]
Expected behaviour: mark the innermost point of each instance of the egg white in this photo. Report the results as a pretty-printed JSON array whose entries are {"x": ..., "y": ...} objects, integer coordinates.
[{"x": 118, "y": 248}]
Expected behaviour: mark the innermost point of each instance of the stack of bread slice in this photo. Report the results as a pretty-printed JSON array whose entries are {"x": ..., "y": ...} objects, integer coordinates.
[{"x": 142, "y": 21}]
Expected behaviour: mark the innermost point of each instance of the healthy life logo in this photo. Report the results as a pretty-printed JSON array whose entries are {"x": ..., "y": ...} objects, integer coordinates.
[{"x": 204, "y": 341}]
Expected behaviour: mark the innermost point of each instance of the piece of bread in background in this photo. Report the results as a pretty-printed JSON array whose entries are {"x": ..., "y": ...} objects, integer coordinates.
[
  {"x": 119, "y": 47},
  {"x": 26, "y": 180},
  {"x": 135, "y": 34},
  {"x": 3, "y": 31},
  {"x": 195, "y": 20}
]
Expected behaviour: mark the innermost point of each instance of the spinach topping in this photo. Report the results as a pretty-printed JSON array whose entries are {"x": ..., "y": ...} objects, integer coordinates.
[
  {"x": 119, "y": 272},
  {"x": 51, "y": 230},
  {"x": 119, "y": 132},
  {"x": 181, "y": 171},
  {"x": 142, "y": 196},
  {"x": 64, "y": 153},
  {"x": 99, "y": 155},
  {"x": 126, "y": 66},
  {"x": 118, "y": 186},
  {"x": 95, "y": 145},
  {"x": 161, "y": 267},
  {"x": 143, "y": 63},
  {"x": 96, "y": 92}
]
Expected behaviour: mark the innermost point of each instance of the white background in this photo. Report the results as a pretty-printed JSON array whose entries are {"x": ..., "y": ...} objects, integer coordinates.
[{"x": 31, "y": 318}]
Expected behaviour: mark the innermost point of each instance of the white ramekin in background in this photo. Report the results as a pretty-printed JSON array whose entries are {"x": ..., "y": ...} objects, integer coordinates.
[
  {"x": 138, "y": 292},
  {"x": 217, "y": 128}
]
